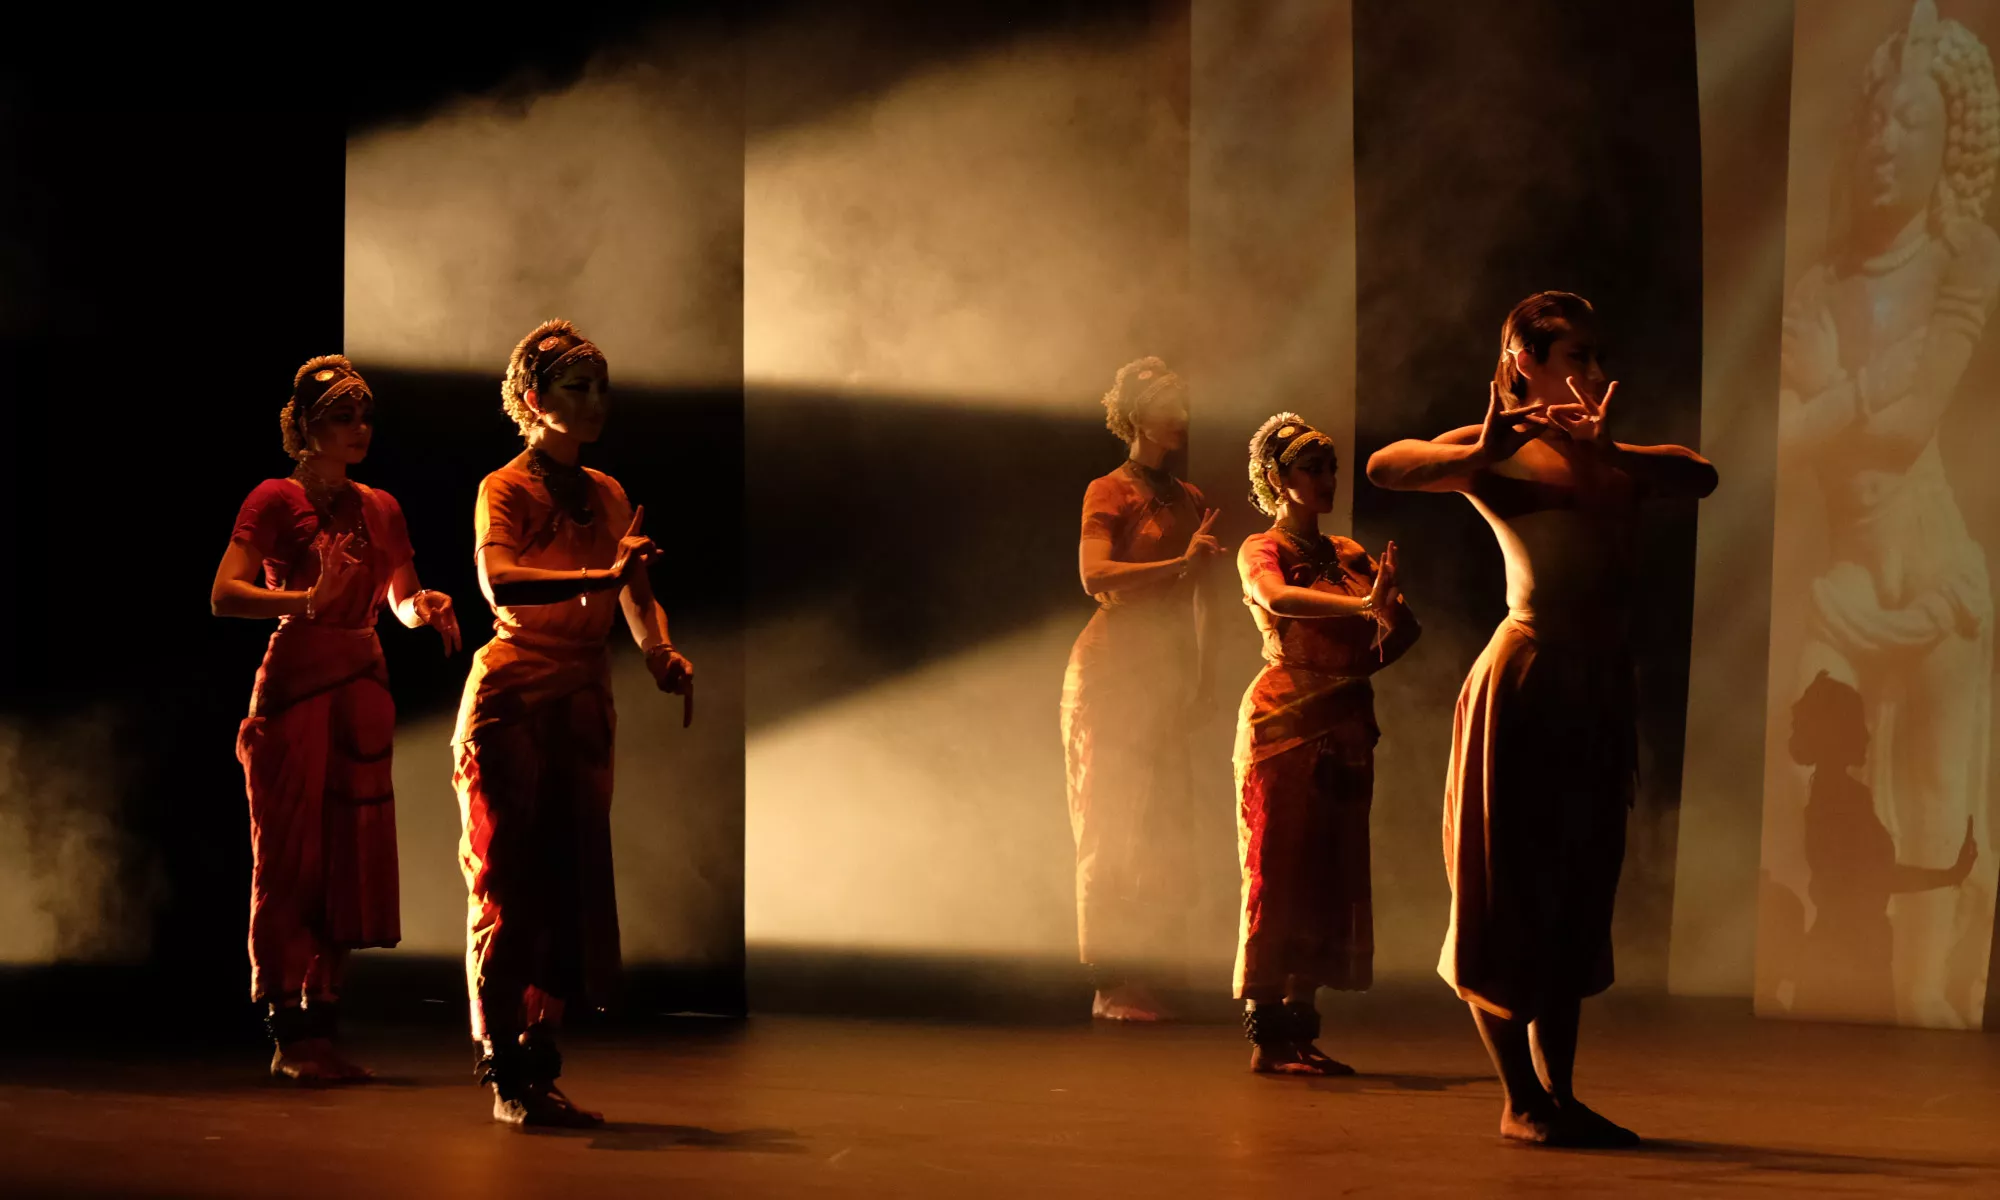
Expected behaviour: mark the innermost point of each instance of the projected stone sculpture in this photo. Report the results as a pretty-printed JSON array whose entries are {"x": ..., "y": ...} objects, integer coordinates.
[{"x": 1878, "y": 334}]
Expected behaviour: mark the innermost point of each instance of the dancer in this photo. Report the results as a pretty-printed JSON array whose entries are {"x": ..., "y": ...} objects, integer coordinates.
[
  {"x": 1845, "y": 962},
  {"x": 1330, "y": 617},
  {"x": 1132, "y": 676},
  {"x": 534, "y": 738},
  {"x": 1545, "y": 742},
  {"x": 316, "y": 746}
]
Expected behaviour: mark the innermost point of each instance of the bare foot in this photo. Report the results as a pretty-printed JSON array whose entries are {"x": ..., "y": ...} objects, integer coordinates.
[
  {"x": 1535, "y": 1126},
  {"x": 304, "y": 1062},
  {"x": 1313, "y": 1056},
  {"x": 1129, "y": 1002},
  {"x": 544, "y": 1106},
  {"x": 1292, "y": 1059},
  {"x": 344, "y": 1069},
  {"x": 1583, "y": 1126}
]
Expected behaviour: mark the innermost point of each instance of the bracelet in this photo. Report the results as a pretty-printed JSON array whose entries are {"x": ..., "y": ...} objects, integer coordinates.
[
  {"x": 658, "y": 648},
  {"x": 309, "y": 605}
]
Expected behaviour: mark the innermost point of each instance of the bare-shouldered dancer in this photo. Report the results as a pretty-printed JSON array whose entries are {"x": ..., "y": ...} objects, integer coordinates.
[{"x": 1545, "y": 739}]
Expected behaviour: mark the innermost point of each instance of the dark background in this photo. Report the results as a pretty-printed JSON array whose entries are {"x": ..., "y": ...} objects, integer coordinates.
[
  {"x": 1504, "y": 148},
  {"x": 172, "y": 236}
]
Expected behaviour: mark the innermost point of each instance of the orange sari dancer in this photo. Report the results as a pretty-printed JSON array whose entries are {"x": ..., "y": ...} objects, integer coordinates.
[
  {"x": 1133, "y": 674},
  {"x": 1305, "y": 750},
  {"x": 315, "y": 748},
  {"x": 534, "y": 738},
  {"x": 1544, "y": 745}
]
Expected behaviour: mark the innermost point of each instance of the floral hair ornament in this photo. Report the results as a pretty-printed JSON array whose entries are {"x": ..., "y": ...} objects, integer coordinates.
[
  {"x": 551, "y": 355},
  {"x": 324, "y": 381},
  {"x": 1292, "y": 439}
]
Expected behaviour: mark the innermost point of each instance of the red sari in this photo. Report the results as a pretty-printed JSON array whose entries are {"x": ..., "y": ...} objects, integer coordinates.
[
  {"x": 1305, "y": 777},
  {"x": 1124, "y": 707},
  {"x": 316, "y": 747},
  {"x": 533, "y": 755}
]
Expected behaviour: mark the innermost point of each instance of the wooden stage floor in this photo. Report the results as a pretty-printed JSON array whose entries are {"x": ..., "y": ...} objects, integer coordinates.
[{"x": 813, "y": 1106}]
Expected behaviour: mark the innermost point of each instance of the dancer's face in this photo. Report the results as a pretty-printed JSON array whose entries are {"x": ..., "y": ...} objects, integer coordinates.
[
  {"x": 1575, "y": 355},
  {"x": 1902, "y": 153},
  {"x": 1164, "y": 420},
  {"x": 577, "y": 400},
  {"x": 1310, "y": 482},
  {"x": 341, "y": 434}
]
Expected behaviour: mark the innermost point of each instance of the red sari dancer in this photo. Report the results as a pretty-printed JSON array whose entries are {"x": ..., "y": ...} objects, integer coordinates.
[
  {"x": 315, "y": 747},
  {"x": 1545, "y": 743},
  {"x": 1133, "y": 674},
  {"x": 1330, "y": 617},
  {"x": 534, "y": 739}
]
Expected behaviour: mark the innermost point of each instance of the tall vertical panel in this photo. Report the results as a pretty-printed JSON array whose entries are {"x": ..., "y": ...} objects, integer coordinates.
[
  {"x": 1501, "y": 149},
  {"x": 1877, "y": 900},
  {"x": 958, "y": 225},
  {"x": 1744, "y": 53},
  {"x": 1271, "y": 226}
]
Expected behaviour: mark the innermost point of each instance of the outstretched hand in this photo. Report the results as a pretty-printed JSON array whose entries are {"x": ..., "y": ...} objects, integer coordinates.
[
  {"x": 635, "y": 549},
  {"x": 1968, "y": 853},
  {"x": 1503, "y": 432}
]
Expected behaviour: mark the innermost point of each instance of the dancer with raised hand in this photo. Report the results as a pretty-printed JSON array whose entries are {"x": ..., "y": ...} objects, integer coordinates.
[
  {"x": 1330, "y": 617},
  {"x": 1133, "y": 675},
  {"x": 1545, "y": 741},
  {"x": 322, "y": 554},
  {"x": 534, "y": 739}
]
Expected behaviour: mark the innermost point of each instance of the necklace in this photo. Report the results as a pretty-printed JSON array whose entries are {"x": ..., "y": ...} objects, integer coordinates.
[
  {"x": 568, "y": 486},
  {"x": 1159, "y": 480},
  {"x": 322, "y": 493},
  {"x": 1318, "y": 553}
]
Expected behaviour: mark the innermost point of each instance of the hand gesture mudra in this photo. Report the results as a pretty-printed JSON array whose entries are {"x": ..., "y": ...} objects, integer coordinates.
[
  {"x": 674, "y": 675},
  {"x": 635, "y": 549},
  {"x": 1583, "y": 420},
  {"x": 1503, "y": 433},
  {"x": 1203, "y": 545},
  {"x": 339, "y": 569},
  {"x": 434, "y": 609},
  {"x": 1382, "y": 597}
]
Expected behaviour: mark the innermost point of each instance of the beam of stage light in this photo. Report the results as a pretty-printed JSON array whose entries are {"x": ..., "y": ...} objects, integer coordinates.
[
  {"x": 615, "y": 202},
  {"x": 925, "y": 816},
  {"x": 1743, "y": 56},
  {"x": 1001, "y": 232}
]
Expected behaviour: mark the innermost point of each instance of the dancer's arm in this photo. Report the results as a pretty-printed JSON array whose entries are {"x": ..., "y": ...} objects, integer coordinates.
[
  {"x": 1101, "y": 573},
  {"x": 415, "y": 605},
  {"x": 236, "y": 593},
  {"x": 1265, "y": 583},
  {"x": 647, "y": 620},
  {"x": 1452, "y": 461},
  {"x": 1669, "y": 471},
  {"x": 505, "y": 581},
  {"x": 1923, "y": 879}
]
